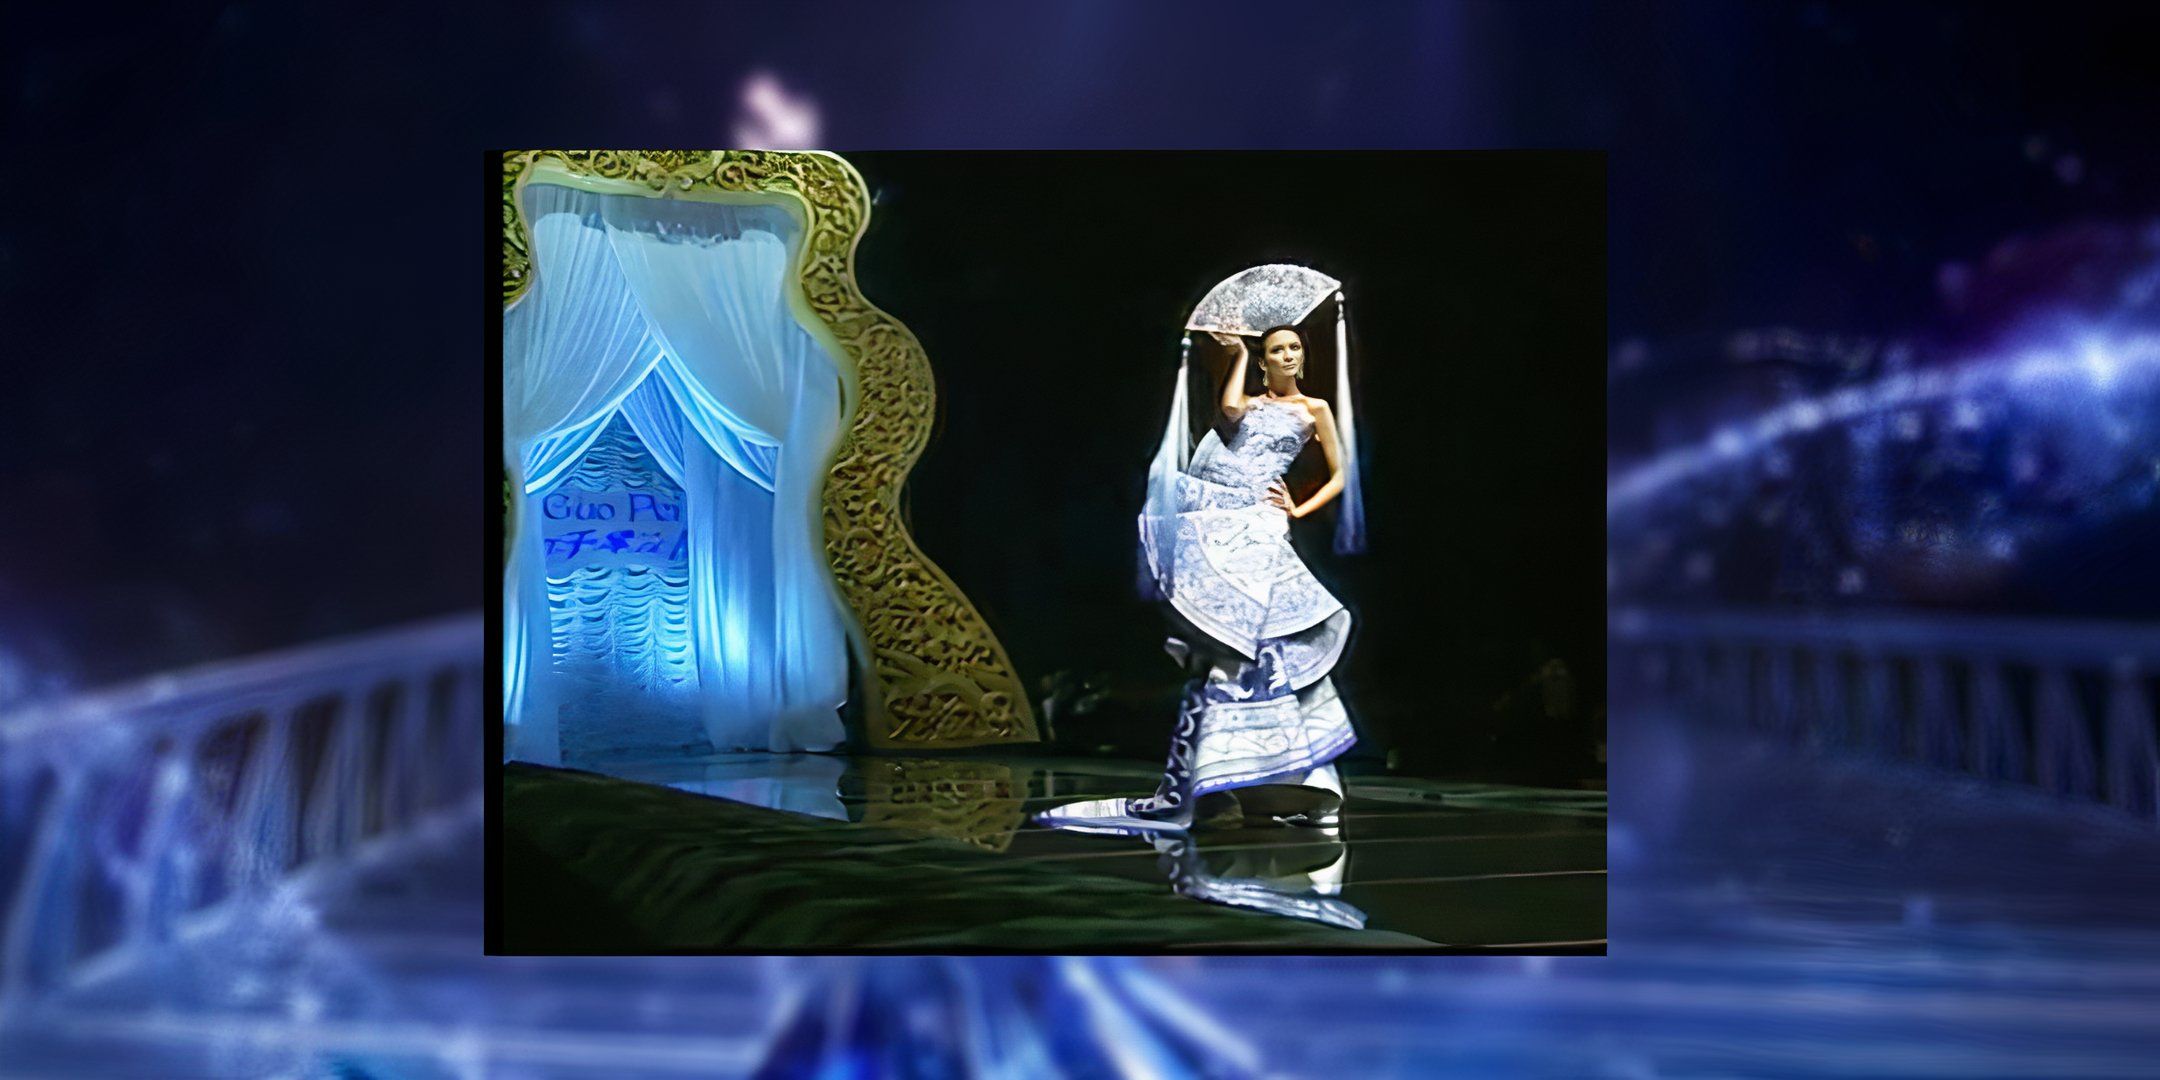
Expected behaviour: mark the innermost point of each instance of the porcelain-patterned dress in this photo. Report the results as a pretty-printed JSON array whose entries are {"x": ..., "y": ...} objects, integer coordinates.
[{"x": 1266, "y": 711}]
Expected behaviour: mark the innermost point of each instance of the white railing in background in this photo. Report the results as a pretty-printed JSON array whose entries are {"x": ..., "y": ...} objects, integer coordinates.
[
  {"x": 2067, "y": 706},
  {"x": 126, "y": 812}
]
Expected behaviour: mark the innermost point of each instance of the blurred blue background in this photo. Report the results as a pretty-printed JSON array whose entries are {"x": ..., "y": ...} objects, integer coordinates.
[{"x": 1881, "y": 527}]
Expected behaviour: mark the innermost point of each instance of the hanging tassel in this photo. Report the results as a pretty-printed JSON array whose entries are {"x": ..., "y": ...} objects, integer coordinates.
[
  {"x": 1180, "y": 427},
  {"x": 1350, "y": 506},
  {"x": 1158, "y": 519}
]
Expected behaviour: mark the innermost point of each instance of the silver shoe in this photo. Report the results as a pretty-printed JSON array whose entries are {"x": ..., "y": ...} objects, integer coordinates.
[{"x": 1116, "y": 816}]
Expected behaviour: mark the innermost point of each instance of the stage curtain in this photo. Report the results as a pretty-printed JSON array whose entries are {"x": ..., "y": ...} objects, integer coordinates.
[
  {"x": 573, "y": 348},
  {"x": 658, "y": 424},
  {"x": 765, "y": 400},
  {"x": 759, "y": 461}
]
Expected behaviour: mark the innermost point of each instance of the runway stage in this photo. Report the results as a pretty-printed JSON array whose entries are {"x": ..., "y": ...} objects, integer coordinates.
[{"x": 811, "y": 852}]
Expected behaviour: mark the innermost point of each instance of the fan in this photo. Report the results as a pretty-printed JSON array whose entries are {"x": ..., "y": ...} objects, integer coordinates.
[{"x": 1250, "y": 301}]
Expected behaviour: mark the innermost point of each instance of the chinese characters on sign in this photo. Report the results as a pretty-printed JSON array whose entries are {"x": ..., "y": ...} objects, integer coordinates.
[{"x": 612, "y": 528}]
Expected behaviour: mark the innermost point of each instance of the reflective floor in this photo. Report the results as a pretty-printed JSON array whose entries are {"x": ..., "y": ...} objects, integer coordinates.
[{"x": 1450, "y": 864}]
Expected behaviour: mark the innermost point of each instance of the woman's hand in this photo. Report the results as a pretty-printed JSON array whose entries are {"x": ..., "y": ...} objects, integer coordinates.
[
  {"x": 1278, "y": 496},
  {"x": 1231, "y": 342}
]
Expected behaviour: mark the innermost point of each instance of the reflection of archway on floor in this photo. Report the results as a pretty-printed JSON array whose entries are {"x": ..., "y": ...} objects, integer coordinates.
[{"x": 621, "y": 631}]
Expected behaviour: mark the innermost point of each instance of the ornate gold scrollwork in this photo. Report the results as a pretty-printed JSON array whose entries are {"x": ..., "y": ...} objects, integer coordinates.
[{"x": 939, "y": 677}]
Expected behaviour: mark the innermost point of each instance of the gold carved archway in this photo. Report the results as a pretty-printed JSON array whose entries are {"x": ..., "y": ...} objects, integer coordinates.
[{"x": 937, "y": 675}]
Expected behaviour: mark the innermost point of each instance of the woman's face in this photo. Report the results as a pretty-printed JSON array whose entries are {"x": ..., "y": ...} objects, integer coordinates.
[{"x": 1283, "y": 354}]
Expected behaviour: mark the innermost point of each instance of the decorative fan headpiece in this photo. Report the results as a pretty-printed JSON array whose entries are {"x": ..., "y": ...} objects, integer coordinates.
[{"x": 1250, "y": 301}]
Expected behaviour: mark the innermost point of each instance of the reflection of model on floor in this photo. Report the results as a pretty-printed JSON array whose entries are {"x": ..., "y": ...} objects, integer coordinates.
[
  {"x": 1297, "y": 879},
  {"x": 1307, "y": 803}
]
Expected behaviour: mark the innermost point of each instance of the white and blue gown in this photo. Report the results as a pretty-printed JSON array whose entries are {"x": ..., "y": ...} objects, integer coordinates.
[{"x": 1266, "y": 712}]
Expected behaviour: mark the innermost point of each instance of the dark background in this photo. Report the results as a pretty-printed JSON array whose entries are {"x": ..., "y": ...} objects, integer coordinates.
[
  {"x": 1050, "y": 290},
  {"x": 245, "y": 377}
]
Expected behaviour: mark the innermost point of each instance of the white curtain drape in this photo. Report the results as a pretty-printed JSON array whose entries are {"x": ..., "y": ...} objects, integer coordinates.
[
  {"x": 652, "y": 415},
  {"x": 573, "y": 348},
  {"x": 765, "y": 399},
  {"x": 675, "y": 315},
  {"x": 757, "y": 460}
]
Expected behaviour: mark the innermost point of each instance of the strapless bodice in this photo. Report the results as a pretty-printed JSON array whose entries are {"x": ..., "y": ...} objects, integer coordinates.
[{"x": 1267, "y": 439}]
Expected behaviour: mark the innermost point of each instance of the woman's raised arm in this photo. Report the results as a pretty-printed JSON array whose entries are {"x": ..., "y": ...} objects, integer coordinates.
[{"x": 1233, "y": 390}]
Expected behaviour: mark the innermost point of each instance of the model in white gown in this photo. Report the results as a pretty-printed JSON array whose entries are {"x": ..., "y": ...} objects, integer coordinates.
[{"x": 1261, "y": 709}]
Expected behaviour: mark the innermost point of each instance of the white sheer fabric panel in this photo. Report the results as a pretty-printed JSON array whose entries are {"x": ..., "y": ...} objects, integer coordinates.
[
  {"x": 529, "y": 702},
  {"x": 547, "y": 458},
  {"x": 656, "y": 412},
  {"x": 652, "y": 414},
  {"x": 765, "y": 399},
  {"x": 809, "y": 632},
  {"x": 1350, "y": 511},
  {"x": 1158, "y": 518},
  {"x": 577, "y": 344},
  {"x": 732, "y": 599},
  {"x": 573, "y": 347},
  {"x": 710, "y": 279},
  {"x": 757, "y": 460}
]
